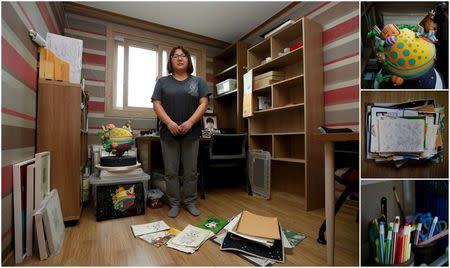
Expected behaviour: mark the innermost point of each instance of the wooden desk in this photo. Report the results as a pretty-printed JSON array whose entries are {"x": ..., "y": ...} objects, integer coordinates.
[
  {"x": 329, "y": 140},
  {"x": 147, "y": 140}
]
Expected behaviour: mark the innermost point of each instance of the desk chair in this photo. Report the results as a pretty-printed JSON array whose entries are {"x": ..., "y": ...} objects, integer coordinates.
[
  {"x": 346, "y": 155},
  {"x": 225, "y": 151}
]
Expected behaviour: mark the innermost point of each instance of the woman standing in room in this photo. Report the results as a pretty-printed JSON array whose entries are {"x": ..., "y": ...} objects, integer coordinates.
[{"x": 180, "y": 100}]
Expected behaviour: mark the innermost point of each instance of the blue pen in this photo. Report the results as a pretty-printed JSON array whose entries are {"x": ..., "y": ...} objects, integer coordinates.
[
  {"x": 433, "y": 226},
  {"x": 381, "y": 231}
]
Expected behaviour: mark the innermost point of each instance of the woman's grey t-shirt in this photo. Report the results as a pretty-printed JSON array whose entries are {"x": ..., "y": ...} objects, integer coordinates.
[{"x": 180, "y": 99}]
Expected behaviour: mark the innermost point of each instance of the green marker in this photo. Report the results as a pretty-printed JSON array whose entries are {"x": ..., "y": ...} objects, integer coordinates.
[
  {"x": 377, "y": 246},
  {"x": 387, "y": 254}
]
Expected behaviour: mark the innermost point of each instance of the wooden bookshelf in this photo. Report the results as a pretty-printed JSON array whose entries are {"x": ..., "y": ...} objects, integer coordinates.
[
  {"x": 230, "y": 64},
  {"x": 286, "y": 127}
]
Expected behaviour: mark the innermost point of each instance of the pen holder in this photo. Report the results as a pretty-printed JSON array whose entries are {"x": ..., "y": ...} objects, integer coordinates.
[
  {"x": 426, "y": 254},
  {"x": 409, "y": 262}
]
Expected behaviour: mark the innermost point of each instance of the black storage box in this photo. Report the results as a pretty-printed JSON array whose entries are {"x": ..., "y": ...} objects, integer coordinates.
[{"x": 120, "y": 200}]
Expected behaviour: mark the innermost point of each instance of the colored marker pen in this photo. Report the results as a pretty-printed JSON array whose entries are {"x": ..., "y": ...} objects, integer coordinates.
[
  {"x": 419, "y": 229},
  {"x": 381, "y": 232},
  {"x": 433, "y": 226},
  {"x": 394, "y": 239},
  {"x": 387, "y": 254}
]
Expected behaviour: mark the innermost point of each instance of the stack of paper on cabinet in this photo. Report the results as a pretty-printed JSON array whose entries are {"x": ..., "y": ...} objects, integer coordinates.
[
  {"x": 190, "y": 239},
  {"x": 400, "y": 132}
]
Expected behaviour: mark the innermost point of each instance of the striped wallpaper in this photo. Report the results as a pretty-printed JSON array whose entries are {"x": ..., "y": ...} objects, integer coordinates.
[
  {"x": 93, "y": 33},
  {"x": 19, "y": 85},
  {"x": 340, "y": 37}
]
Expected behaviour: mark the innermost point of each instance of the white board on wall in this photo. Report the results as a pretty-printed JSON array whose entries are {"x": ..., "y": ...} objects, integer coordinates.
[{"x": 70, "y": 50}]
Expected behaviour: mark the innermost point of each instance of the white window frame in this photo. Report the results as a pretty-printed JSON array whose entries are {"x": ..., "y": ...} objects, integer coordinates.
[{"x": 145, "y": 39}]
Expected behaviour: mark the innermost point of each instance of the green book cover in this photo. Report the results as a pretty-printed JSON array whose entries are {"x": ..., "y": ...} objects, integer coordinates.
[
  {"x": 293, "y": 237},
  {"x": 213, "y": 224}
]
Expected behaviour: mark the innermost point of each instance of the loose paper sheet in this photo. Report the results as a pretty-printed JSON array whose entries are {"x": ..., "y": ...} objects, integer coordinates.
[
  {"x": 191, "y": 236},
  {"x": 401, "y": 134},
  {"x": 147, "y": 228},
  {"x": 247, "y": 107},
  {"x": 69, "y": 50}
]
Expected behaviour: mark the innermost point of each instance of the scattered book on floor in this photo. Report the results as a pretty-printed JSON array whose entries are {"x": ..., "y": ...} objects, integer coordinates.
[
  {"x": 257, "y": 261},
  {"x": 190, "y": 239},
  {"x": 159, "y": 239},
  {"x": 213, "y": 224},
  {"x": 147, "y": 228},
  {"x": 293, "y": 237},
  {"x": 258, "y": 251},
  {"x": 232, "y": 226},
  {"x": 233, "y": 243},
  {"x": 259, "y": 226}
]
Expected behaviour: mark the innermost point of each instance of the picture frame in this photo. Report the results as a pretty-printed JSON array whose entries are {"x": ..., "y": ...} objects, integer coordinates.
[
  {"x": 30, "y": 209},
  {"x": 42, "y": 177},
  {"x": 20, "y": 202},
  {"x": 210, "y": 122},
  {"x": 53, "y": 223}
]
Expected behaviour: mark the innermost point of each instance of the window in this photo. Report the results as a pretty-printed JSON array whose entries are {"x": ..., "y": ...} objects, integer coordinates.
[{"x": 138, "y": 60}]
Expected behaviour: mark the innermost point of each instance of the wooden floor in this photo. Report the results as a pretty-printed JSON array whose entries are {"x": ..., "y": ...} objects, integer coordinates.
[{"x": 111, "y": 243}]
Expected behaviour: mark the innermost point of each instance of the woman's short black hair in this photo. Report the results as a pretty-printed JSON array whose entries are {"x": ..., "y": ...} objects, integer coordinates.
[
  {"x": 190, "y": 67},
  {"x": 209, "y": 120}
]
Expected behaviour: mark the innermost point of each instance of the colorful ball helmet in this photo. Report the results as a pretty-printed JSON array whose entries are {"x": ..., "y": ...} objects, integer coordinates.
[{"x": 409, "y": 56}]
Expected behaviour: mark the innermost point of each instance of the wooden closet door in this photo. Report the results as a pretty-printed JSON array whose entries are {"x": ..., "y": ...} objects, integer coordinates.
[{"x": 58, "y": 131}]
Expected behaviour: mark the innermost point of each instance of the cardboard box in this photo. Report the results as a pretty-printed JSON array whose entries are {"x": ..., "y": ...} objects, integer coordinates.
[
  {"x": 226, "y": 85},
  {"x": 266, "y": 79},
  {"x": 51, "y": 67}
]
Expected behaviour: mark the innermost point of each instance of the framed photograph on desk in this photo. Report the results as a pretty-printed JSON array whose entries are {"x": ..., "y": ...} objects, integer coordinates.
[{"x": 210, "y": 122}]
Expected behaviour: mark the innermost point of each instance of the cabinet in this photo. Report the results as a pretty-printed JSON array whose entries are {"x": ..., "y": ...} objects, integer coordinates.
[
  {"x": 58, "y": 131},
  {"x": 229, "y": 64},
  {"x": 294, "y": 108}
]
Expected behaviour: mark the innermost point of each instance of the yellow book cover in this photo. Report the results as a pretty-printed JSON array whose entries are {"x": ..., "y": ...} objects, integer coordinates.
[{"x": 260, "y": 226}]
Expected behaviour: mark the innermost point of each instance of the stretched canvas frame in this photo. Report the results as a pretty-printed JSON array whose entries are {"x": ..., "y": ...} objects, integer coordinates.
[
  {"x": 20, "y": 209},
  {"x": 30, "y": 209},
  {"x": 40, "y": 235},
  {"x": 42, "y": 180},
  {"x": 53, "y": 223}
]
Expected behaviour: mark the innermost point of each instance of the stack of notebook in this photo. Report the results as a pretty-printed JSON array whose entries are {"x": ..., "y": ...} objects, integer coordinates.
[
  {"x": 401, "y": 132},
  {"x": 256, "y": 236}
]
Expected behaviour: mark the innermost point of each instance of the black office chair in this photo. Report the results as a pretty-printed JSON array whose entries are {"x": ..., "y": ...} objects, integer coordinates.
[
  {"x": 225, "y": 151},
  {"x": 346, "y": 155}
]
